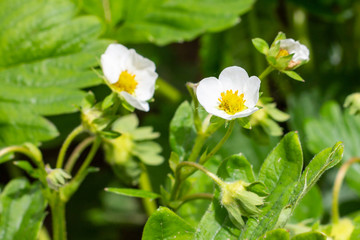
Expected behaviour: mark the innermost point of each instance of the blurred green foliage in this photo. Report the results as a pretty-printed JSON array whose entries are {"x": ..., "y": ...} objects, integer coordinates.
[{"x": 49, "y": 48}]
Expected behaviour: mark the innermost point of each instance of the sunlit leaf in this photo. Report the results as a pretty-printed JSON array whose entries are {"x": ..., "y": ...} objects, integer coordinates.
[
  {"x": 47, "y": 55},
  {"x": 22, "y": 210},
  {"x": 165, "y": 224}
]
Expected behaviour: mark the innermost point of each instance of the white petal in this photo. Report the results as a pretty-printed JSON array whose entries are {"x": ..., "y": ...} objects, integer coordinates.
[
  {"x": 300, "y": 51},
  {"x": 139, "y": 62},
  {"x": 208, "y": 92},
  {"x": 245, "y": 113},
  {"x": 287, "y": 44},
  {"x": 136, "y": 103},
  {"x": 233, "y": 78},
  {"x": 146, "y": 84},
  {"x": 251, "y": 91},
  {"x": 114, "y": 61}
]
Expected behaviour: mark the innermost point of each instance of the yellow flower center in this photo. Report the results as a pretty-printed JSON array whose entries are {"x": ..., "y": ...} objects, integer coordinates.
[
  {"x": 231, "y": 102},
  {"x": 125, "y": 83},
  {"x": 282, "y": 53}
]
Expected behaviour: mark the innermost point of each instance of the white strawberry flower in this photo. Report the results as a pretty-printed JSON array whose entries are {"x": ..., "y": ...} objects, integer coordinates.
[
  {"x": 300, "y": 51},
  {"x": 233, "y": 95},
  {"x": 130, "y": 75}
]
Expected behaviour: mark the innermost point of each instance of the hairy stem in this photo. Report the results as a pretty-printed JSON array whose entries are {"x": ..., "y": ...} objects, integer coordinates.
[
  {"x": 196, "y": 196},
  {"x": 219, "y": 145},
  {"x": 58, "y": 218},
  {"x": 66, "y": 145},
  {"x": 337, "y": 186},
  {"x": 77, "y": 152},
  {"x": 266, "y": 72},
  {"x": 145, "y": 184}
]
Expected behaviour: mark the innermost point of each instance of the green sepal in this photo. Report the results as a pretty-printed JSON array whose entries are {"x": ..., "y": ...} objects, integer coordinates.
[
  {"x": 130, "y": 192},
  {"x": 293, "y": 75},
  {"x": 108, "y": 101},
  {"x": 279, "y": 36},
  {"x": 110, "y": 134},
  {"x": 245, "y": 122},
  {"x": 174, "y": 161},
  {"x": 28, "y": 168},
  {"x": 261, "y": 45},
  {"x": 127, "y": 106}
]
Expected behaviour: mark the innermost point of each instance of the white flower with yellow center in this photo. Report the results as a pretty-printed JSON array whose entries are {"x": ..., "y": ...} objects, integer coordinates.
[
  {"x": 233, "y": 95},
  {"x": 300, "y": 51},
  {"x": 129, "y": 74}
]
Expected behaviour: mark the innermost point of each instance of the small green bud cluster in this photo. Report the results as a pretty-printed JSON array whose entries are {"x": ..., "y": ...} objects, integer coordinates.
[
  {"x": 242, "y": 199},
  {"x": 56, "y": 178}
]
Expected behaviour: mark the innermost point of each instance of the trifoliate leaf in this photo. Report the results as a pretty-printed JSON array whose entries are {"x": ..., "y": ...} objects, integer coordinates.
[{"x": 46, "y": 57}]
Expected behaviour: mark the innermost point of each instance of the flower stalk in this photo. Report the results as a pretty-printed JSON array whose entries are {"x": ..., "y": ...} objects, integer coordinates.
[
  {"x": 66, "y": 144},
  {"x": 145, "y": 184},
  {"x": 335, "y": 216}
]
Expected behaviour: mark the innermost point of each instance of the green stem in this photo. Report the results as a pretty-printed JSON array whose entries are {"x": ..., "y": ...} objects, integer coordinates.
[
  {"x": 58, "y": 218},
  {"x": 107, "y": 11},
  {"x": 36, "y": 158},
  {"x": 178, "y": 179},
  {"x": 266, "y": 72},
  {"x": 89, "y": 157},
  {"x": 199, "y": 143},
  {"x": 196, "y": 196},
  {"x": 77, "y": 152},
  {"x": 145, "y": 184},
  {"x": 71, "y": 187},
  {"x": 215, "y": 178},
  {"x": 337, "y": 186},
  {"x": 219, "y": 145},
  {"x": 66, "y": 145}
]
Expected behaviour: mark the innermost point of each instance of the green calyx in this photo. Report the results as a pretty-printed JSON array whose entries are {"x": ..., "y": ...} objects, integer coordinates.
[
  {"x": 242, "y": 199},
  {"x": 56, "y": 178}
]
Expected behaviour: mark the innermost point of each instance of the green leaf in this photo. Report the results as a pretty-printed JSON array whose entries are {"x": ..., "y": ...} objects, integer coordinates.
[
  {"x": 165, "y": 224},
  {"x": 148, "y": 152},
  {"x": 133, "y": 192},
  {"x": 216, "y": 224},
  {"x": 47, "y": 56},
  {"x": 310, "y": 207},
  {"x": 144, "y": 133},
  {"x": 182, "y": 131},
  {"x": 271, "y": 127},
  {"x": 280, "y": 172},
  {"x": 236, "y": 168},
  {"x": 294, "y": 75},
  {"x": 356, "y": 232},
  {"x": 126, "y": 123},
  {"x": 245, "y": 122},
  {"x": 275, "y": 113},
  {"x": 163, "y": 22},
  {"x": 277, "y": 234},
  {"x": 26, "y": 166},
  {"x": 22, "y": 210},
  {"x": 261, "y": 45},
  {"x": 336, "y": 125},
  {"x": 310, "y": 236}
]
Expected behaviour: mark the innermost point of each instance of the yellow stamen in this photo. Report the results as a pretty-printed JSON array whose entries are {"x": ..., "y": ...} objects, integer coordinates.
[
  {"x": 232, "y": 103},
  {"x": 282, "y": 53},
  {"x": 125, "y": 83}
]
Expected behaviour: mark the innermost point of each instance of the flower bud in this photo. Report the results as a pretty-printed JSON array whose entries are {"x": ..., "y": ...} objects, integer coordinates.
[
  {"x": 352, "y": 102},
  {"x": 342, "y": 229},
  {"x": 239, "y": 199},
  {"x": 57, "y": 177}
]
